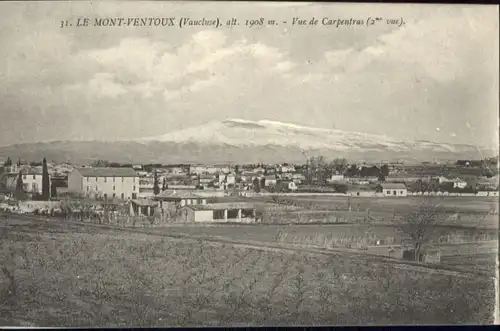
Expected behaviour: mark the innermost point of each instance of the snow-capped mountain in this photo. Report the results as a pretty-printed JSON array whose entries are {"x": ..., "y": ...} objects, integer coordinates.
[
  {"x": 243, "y": 141},
  {"x": 238, "y": 132}
]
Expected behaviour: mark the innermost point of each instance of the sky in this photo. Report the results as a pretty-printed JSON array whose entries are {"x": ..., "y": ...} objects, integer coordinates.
[{"x": 435, "y": 78}]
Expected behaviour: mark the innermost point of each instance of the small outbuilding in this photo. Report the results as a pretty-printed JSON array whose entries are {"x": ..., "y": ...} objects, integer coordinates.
[
  {"x": 392, "y": 189},
  {"x": 142, "y": 207},
  {"x": 181, "y": 197},
  {"x": 238, "y": 212}
]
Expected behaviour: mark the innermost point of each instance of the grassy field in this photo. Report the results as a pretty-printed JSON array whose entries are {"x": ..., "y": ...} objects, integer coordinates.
[
  {"x": 449, "y": 204},
  {"x": 271, "y": 233},
  {"x": 57, "y": 274},
  {"x": 480, "y": 261},
  {"x": 460, "y": 211}
]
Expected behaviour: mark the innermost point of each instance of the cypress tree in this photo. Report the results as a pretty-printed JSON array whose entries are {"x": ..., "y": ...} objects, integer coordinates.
[
  {"x": 19, "y": 193},
  {"x": 45, "y": 181},
  {"x": 156, "y": 187}
]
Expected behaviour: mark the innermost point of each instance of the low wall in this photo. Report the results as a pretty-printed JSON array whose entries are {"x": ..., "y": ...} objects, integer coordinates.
[
  {"x": 292, "y": 194},
  {"x": 368, "y": 194},
  {"x": 448, "y": 194},
  {"x": 32, "y": 205}
]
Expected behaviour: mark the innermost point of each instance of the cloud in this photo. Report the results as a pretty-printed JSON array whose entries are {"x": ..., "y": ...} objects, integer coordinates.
[
  {"x": 139, "y": 65},
  {"x": 102, "y": 84},
  {"x": 194, "y": 87}
]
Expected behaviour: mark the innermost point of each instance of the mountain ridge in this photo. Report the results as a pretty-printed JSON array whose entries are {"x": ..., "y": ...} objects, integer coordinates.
[{"x": 244, "y": 141}]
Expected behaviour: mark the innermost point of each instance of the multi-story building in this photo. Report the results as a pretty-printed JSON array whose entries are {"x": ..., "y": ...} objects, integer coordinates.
[
  {"x": 32, "y": 179},
  {"x": 115, "y": 183}
]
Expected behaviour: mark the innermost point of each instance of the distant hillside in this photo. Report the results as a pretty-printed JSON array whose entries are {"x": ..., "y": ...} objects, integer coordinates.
[{"x": 241, "y": 141}]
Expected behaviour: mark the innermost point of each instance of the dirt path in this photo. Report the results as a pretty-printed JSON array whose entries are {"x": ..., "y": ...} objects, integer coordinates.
[{"x": 268, "y": 246}]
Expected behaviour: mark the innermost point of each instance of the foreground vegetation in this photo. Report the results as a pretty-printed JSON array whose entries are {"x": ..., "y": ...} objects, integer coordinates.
[{"x": 54, "y": 275}]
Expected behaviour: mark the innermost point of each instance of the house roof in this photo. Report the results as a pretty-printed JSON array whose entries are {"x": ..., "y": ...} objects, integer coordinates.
[
  {"x": 248, "y": 173},
  {"x": 207, "y": 176},
  {"x": 172, "y": 194},
  {"x": 223, "y": 205},
  {"x": 107, "y": 172},
  {"x": 25, "y": 171},
  {"x": 143, "y": 202},
  {"x": 395, "y": 186}
]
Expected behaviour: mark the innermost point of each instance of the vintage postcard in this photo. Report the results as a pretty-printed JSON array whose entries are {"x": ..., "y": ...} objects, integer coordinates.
[{"x": 199, "y": 164}]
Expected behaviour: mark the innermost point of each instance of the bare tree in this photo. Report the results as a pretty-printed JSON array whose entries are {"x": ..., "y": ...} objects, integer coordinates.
[{"x": 420, "y": 223}]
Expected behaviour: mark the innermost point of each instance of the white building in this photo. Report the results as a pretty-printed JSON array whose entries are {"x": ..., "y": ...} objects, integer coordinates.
[
  {"x": 441, "y": 180},
  {"x": 337, "y": 178},
  {"x": 270, "y": 180},
  {"x": 259, "y": 170},
  {"x": 197, "y": 169},
  {"x": 289, "y": 168},
  {"x": 298, "y": 178},
  {"x": 115, "y": 183},
  {"x": 287, "y": 185},
  {"x": 459, "y": 183},
  {"x": 237, "y": 212},
  {"x": 230, "y": 179},
  {"x": 392, "y": 189},
  {"x": 32, "y": 181}
]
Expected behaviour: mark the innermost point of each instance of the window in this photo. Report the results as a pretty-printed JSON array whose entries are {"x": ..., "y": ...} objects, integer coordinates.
[
  {"x": 105, "y": 196},
  {"x": 122, "y": 196},
  {"x": 105, "y": 179},
  {"x": 114, "y": 195},
  {"x": 96, "y": 179},
  {"x": 33, "y": 187},
  {"x": 133, "y": 189},
  {"x": 34, "y": 176},
  {"x": 113, "y": 187},
  {"x": 87, "y": 178},
  {"x": 113, "y": 179},
  {"x": 394, "y": 192},
  {"x": 232, "y": 213},
  {"x": 24, "y": 176},
  {"x": 88, "y": 188},
  {"x": 401, "y": 192},
  {"x": 218, "y": 214}
]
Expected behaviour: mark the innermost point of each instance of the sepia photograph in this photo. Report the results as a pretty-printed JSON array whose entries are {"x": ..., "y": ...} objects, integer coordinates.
[{"x": 248, "y": 164}]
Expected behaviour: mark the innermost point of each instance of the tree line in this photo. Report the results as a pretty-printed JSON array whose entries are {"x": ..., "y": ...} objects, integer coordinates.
[{"x": 318, "y": 167}]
